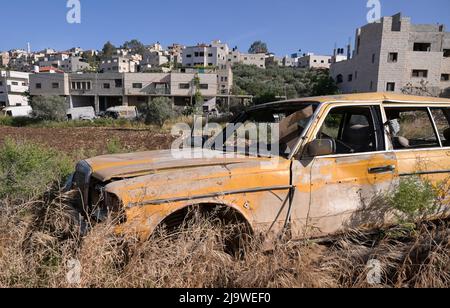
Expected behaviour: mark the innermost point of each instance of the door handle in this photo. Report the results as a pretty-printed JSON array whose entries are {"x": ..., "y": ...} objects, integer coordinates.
[{"x": 384, "y": 169}]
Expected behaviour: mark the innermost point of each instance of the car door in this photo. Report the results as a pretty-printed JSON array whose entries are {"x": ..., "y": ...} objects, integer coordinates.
[
  {"x": 342, "y": 188},
  {"x": 422, "y": 142}
]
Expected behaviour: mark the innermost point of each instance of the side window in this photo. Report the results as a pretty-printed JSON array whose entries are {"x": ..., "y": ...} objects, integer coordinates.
[
  {"x": 354, "y": 129},
  {"x": 442, "y": 118},
  {"x": 411, "y": 128}
]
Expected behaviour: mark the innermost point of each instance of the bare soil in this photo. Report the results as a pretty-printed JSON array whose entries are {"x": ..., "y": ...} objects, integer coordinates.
[{"x": 92, "y": 140}]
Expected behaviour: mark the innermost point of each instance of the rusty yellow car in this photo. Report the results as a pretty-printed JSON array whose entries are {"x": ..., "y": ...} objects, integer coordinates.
[{"x": 336, "y": 155}]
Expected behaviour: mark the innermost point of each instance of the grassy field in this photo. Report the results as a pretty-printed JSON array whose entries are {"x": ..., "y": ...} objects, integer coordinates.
[{"x": 40, "y": 233}]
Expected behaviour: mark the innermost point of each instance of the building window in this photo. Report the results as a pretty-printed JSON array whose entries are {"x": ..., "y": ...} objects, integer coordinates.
[
  {"x": 118, "y": 83},
  {"x": 202, "y": 54},
  {"x": 38, "y": 86},
  {"x": 15, "y": 83},
  {"x": 196, "y": 54},
  {"x": 1, "y": 83},
  {"x": 210, "y": 55},
  {"x": 422, "y": 47},
  {"x": 390, "y": 86},
  {"x": 106, "y": 86},
  {"x": 420, "y": 73},
  {"x": 445, "y": 77},
  {"x": 210, "y": 64},
  {"x": 85, "y": 85},
  {"x": 322, "y": 61},
  {"x": 371, "y": 85},
  {"x": 184, "y": 86},
  {"x": 339, "y": 79},
  {"x": 393, "y": 57},
  {"x": 188, "y": 56},
  {"x": 55, "y": 85},
  {"x": 446, "y": 53},
  {"x": 137, "y": 85},
  {"x": 373, "y": 58},
  {"x": 350, "y": 78},
  {"x": 204, "y": 86}
]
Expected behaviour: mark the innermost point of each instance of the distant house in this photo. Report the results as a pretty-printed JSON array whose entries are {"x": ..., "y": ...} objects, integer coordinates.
[{"x": 13, "y": 86}]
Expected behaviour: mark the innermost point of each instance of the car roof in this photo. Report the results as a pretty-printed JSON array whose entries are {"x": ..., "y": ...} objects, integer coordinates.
[{"x": 362, "y": 97}]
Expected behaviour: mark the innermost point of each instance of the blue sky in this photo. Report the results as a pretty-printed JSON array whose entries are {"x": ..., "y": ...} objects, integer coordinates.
[{"x": 286, "y": 25}]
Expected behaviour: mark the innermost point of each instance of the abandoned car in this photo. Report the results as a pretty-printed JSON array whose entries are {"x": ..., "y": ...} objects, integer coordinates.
[{"x": 337, "y": 155}]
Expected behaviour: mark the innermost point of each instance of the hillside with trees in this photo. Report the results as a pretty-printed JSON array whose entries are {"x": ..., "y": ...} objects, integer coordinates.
[{"x": 276, "y": 82}]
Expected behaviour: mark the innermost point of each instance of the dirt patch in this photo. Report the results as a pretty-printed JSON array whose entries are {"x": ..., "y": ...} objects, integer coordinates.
[{"x": 89, "y": 140}]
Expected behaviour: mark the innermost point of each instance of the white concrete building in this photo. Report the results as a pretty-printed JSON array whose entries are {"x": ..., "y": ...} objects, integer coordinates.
[
  {"x": 13, "y": 86},
  {"x": 202, "y": 55},
  {"x": 118, "y": 65},
  {"x": 312, "y": 61},
  {"x": 236, "y": 57}
]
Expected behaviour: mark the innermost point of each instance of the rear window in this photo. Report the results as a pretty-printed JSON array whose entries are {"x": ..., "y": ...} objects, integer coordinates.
[
  {"x": 411, "y": 128},
  {"x": 442, "y": 119}
]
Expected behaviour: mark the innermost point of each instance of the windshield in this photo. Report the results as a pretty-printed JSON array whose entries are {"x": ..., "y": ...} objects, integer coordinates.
[{"x": 268, "y": 132}]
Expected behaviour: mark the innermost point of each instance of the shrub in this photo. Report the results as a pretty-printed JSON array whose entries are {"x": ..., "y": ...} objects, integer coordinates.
[
  {"x": 114, "y": 146},
  {"x": 158, "y": 111},
  {"x": 27, "y": 170},
  {"x": 49, "y": 108},
  {"x": 414, "y": 199}
]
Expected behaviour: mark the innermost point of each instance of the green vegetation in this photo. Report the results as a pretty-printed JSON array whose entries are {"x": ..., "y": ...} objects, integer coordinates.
[
  {"x": 49, "y": 108},
  {"x": 135, "y": 46},
  {"x": 158, "y": 111},
  {"x": 258, "y": 47},
  {"x": 114, "y": 146},
  {"x": 108, "y": 50},
  {"x": 414, "y": 199},
  {"x": 276, "y": 82},
  {"x": 27, "y": 170}
]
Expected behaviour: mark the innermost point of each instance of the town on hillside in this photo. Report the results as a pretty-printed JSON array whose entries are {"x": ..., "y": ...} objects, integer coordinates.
[{"x": 393, "y": 55}]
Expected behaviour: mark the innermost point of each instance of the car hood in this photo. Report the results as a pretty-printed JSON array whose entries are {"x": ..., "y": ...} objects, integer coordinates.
[{"x": 123, "y": 166}]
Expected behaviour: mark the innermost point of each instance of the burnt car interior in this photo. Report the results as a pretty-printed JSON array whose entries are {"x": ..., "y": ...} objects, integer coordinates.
[
  {"x": 292, "y": 120},
  {"x": 354, "y": 129}
]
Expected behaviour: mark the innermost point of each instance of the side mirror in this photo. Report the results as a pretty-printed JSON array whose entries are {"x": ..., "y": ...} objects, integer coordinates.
[{"x": 321, "y": 147}]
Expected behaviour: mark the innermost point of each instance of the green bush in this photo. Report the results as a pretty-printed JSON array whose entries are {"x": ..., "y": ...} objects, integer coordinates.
[
  {"x": 414, "y": 199},
  {"x": 158, "y": 111},
  {"x": 114, "y": 146},
  {"x": 49, "y": 108},
  {"x": 28, "y": 170}
]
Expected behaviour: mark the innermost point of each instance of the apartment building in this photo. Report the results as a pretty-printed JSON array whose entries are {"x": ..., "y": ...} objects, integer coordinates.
[
  {"x": 106, "y": 90},
  {"x": 202, "y": 55},
  {"x": 117, "y": 64},
  {"x": 154, "y": 59},
  {"x": 13, "y": 86},
  {"x": 236, "y": 57},
  {"x": 312, "y": 61},
  {"x": 65, "y": 62},
  {"x": 176, "y": 53},
  {"x": 397, "y": 56}
]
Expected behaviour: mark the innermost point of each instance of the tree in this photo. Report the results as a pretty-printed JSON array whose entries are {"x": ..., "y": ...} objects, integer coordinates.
[
  {"x": 135, "y": 45},
  {"x": 108, "y": 49},
  {"x": 158, "y": 111},
  {"x": 49, "y": 108},
  {"x": 323, "y": 84},
  {"x": 258, "y": 47}
]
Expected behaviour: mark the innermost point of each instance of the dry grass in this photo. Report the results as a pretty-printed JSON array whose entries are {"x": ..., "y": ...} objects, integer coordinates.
[{"x": 39, "y": 238}]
